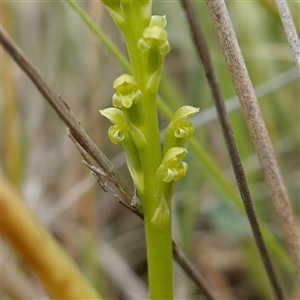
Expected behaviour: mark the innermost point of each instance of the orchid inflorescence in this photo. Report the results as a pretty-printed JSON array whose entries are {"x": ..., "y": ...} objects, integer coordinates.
[{"x": 134, "y": 117}]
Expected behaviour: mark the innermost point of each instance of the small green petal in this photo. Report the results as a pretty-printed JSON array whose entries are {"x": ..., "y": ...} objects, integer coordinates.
[
  {"x": 174, "y": 154},
  {"x": 184, "y": 129},
  {"x": 115, "y": 115},
  {"x": 160, "y": 21},
  {"x": 126, "y": 80},
  {"x": 170, "y": 175},
  {"x": 183, "y": 113},
  {"x": 155, "y": 35},
  {"x": 115, "y": 134},
  {"x": 181, "y": 170},
  {"x": 127, "y": 99},
  {"x": 117, "y": 100},
  {"x": 176, "y": 172},
  {"x": 164, "y": 48}
]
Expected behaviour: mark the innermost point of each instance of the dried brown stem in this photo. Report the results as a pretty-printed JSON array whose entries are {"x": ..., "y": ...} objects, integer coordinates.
[
  {"x": 88, "y": 145},
  {"x": 256, "y": 126},
  {"x": 205, "y": 57}
]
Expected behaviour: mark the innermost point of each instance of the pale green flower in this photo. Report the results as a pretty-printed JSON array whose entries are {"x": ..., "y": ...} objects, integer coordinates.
[
  {"x": 184, "y": 129},
  {"x": 127, "y": 91},
  {"x": 116, "y": 132},
  {"x": 174, "y": 168},
  {"x": 155, "y": 36}
]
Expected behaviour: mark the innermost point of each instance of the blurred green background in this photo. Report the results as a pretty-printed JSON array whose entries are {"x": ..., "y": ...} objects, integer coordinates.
[{"x": 102, "y": 235}]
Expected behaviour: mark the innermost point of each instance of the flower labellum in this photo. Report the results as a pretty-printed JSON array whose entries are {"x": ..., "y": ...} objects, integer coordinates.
[{"x": 115, "y": 115}]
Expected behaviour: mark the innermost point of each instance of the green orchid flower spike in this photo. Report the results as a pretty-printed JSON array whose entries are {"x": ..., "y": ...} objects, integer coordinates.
[
  {"x": 127, "y": 91},
  {"x": 116, "y": 132},
  {"x": 179, "y": 130},
  {"x": 136, "y": 125}
]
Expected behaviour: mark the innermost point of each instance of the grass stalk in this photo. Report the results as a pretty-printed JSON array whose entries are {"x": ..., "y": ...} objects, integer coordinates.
[
  {"x": 290, "y": 30},
  {"x": 256, "y": 126},
  {"x": 58, "y": 272}
]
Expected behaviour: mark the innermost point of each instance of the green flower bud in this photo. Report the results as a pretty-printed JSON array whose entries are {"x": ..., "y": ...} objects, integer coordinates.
[
  {"x": 116, "y": 132},
  {"x": 127, "y": 91}
]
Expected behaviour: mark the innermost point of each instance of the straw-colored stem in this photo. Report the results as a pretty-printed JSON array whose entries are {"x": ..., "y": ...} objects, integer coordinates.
[
  {"x": 256, "y": 126},
  {"x": 59, "y": 274},
  {"x": 290, "y": 30}
]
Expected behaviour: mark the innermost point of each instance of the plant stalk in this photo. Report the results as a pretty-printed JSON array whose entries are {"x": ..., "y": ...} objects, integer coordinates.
[
  {"x": 211, "y": 74},
  {"x": 159, "y": 241},
  {"x": 257, "y": 127}
]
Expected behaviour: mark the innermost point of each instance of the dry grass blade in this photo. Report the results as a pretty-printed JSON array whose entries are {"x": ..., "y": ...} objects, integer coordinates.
[
  {"x": 88, "y": 145},
  {"x": 205, "y": 57},
  {"x": 290, "y": 30},
  {"x": 40, "y": 249},
  {"x": 256, "y": 126}
]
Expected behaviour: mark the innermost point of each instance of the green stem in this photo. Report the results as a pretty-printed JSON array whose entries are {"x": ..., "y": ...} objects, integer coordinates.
[
  {"x": 160, "y": 260},
  {"x": 159, "y": 241}
]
